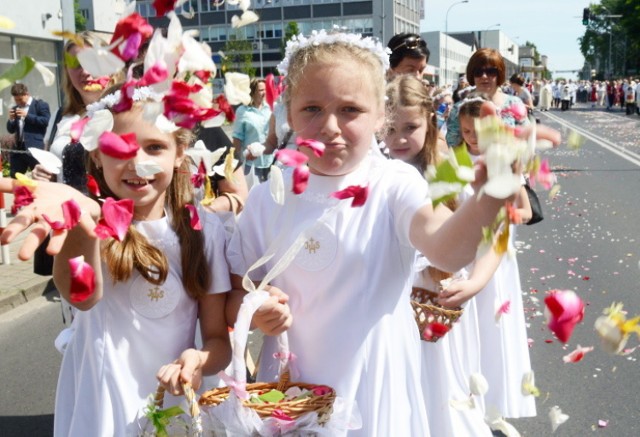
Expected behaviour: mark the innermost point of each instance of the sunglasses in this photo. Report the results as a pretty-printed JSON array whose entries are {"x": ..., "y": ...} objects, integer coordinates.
[
  {"x": 489, "y": 71},
  {"x": 410, "y": 42}
]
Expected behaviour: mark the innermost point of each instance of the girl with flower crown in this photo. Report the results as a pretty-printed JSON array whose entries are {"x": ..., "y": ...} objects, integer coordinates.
[{"x": 358, "y": 219}]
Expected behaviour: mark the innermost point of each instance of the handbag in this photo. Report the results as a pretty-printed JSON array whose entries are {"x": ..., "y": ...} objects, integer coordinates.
[{"x": 536, "y": 207}]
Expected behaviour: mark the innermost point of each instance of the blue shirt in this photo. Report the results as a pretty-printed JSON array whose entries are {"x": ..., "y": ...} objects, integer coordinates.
[{"x": 252, "y": 126}]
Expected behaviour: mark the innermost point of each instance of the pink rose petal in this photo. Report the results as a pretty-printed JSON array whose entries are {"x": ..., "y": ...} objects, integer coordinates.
[
  {"x": 316, "y": 146},
  {"x": 300, "y": 179},
  {"x": 357, "y": 192},
  {"x": 92, "y": 186},
  {"x": 577, "y": 355},
  {"x": 566, "y": 309},
  {"x": 116, "y": 218},
  {"x": 77, "y": 127},
  {"x": 82, "y": 280},
  {"x": 71, "y": 216},
  {"x": 195, "y": 219},
  {"x": 291, "y": 158},
  {"x": 117, "y": 146},
  {"x": 21, "y": 197}
]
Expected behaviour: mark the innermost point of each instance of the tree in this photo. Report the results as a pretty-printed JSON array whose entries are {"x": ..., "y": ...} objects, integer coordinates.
[
  {"x": 238, "y": 56},
  {"x": 290, "y": 31},
  {"x": 81, "y": 21}
]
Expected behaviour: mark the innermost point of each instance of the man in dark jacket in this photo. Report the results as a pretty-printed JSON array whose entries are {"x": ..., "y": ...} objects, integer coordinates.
[{"x": 28, "y": 120}]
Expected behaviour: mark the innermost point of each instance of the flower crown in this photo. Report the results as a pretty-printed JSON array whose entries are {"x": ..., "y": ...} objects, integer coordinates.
[
  {"x": 323, "y": 37},
  {"x": 110, "y": 100}
]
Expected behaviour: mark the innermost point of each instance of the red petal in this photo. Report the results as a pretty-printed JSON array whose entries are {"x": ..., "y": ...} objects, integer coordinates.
[
  {"x": 118, "y": 146},
  {"x": 291, "y": 158},
  {"x": 116, "y": 218},
  {"x": 92, "y": 186},
  {"x": 163, "y": 6},
  {"x": 195, "y": 219},
  {"x": 316, "y": 146},
  {"x": 77, "y": 128},
  {"x": 300, "y": 179},
  {"x": 71, "y": 213},
  {"x": 21, "y": 197},
  {"x": 82, "y": 280},
  {"x": 155, "y": 74},
  {"x": 357, "y": 192}
]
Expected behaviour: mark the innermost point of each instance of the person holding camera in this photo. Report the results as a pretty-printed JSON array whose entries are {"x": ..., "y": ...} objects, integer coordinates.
[{"x": 28, "y": 120}]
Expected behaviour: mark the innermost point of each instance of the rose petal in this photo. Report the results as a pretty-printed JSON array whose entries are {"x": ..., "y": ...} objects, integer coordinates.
[
  {"x": 478, "y": 384},
  {"x": 82, "y": 280},
  {"x": 71, "y": 216},
  {"x": 116, "y": 218},
  {"x": 276, "y": 185},
  {"x": 147, "y": 168},
  {"x": 77, "y": 128},
  {"x": 291, "y": 158},
  {"x": 300, "y": 179},
  {"x": 117, "y": 146},
  {"x": 92, "y": 186},
  {"x": 357, "y": 192},
  {"x": 316, "y": 146},
  {"x": 566, "y": 310},
  {"x": 21, "y": 197},
  {"x": 195, "y": 219},
  {"x": 556, "y": 417},
  {"x": 102, "y": 121},
  {"x": 577, "y": 355}
]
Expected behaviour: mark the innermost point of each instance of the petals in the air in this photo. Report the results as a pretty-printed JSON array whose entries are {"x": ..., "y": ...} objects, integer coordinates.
[
  {"x": 577, "y": 354},
  {"x": 99, "y": 61},
  {"x": 316, "y": 146},
  {"x": 77, "y": 128},
  {"x": 82, "y": 280},
  {"x": 117, "y": 146},
  {"x": 47, "y": 75},
  {"x": 247, "y": 17},
  {"x": 102, "y": 121},
  {"x": 557, "y": 417},
  {"x": 116, "y": 218},
  {"x": 276, "y": 184},
  {"x": 502, "y": 309},
  {"x": 195, "y": 218},
  {"x": 357, "y": 192},
  {"x": 92, "y": 186},
  {"x": 478, "y": 384},
  {"x": 565, "y": 310},
  {"x": 21, "y": 197},
  {"x": 71, "y": 216},
  {"x": 147, "y": 168},
  {"x": 291, "y": 158},
  {"x": 48, "y": 160},
  {"x": 237, "y": 88},
  {"x": 300, "y": 179}
]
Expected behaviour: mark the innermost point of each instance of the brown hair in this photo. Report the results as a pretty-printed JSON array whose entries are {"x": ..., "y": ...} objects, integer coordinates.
[
  {"x": 486, "y": 58},
  {"x": 136, "y": 252},
  {"x": 19, "y": 89},
  {"x": 471, "y": 104},
  {"x": 517, "y": 79},
  {"x": 408, "y": 91},
  {"x": 253, "y": 86},
  {"x": 334, "y": 54}
]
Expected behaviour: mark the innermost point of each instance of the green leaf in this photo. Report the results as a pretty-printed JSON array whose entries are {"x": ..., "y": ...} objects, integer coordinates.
[
  {"x": 273, "y": 396},
  {"x": 19, "y": 70},
  {"x": 446, "y": 172}
]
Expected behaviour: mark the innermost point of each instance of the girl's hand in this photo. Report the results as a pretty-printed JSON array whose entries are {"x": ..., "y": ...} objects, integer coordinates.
[
  {"x": 274, "y": 316},
  {"x": 457, "y": 293},
  {"x": 48, "y": 198},
  {"x": 187, "y": 368},
  {"x": 39, "y": 173}
]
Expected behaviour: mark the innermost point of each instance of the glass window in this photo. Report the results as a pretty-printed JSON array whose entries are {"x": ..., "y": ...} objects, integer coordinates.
[
  {"x": 5, "y": 47},
  {"x": 43, "y": 51}
]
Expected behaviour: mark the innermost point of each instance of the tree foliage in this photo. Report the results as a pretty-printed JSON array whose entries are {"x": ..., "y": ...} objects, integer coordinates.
[
  {"x": 238, "y": 56},
  {"x": 80, "y": 20},
  {"x": 617, "y": 39}
]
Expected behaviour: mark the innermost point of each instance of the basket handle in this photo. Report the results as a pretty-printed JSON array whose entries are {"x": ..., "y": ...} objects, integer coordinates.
[{"x": 192, "y": 401}]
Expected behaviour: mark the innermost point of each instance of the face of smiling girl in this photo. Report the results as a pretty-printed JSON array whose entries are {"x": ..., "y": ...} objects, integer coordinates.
[
  {"x": 407, "y": 132},
  {"x": 147, "y": 193},
  {"x": 337, "y": 105}
]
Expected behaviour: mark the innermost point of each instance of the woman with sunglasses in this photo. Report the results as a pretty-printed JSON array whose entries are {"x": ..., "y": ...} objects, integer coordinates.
[
  {"x": 486, "y": 71},
  {"x": 409, "y": 55}
]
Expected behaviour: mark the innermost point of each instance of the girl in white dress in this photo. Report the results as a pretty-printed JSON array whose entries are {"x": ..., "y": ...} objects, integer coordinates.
[
  {"x": 344, "y": 299},
  {"x": 139, "y": 322},
  {"x": 411, "y": 136},
  {"x": 503, "y": 335}
]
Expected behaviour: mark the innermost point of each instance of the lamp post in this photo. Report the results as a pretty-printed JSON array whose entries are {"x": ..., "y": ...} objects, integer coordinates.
[
  {"x": 446, "y": 41},
  {"x": 610, "y": 16},
  {"x": 260, "y": 35}
]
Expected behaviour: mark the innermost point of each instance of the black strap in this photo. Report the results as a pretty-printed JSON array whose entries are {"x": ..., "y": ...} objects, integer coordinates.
[
  {"x": 285, "y": 140},
  {"x": 54, "y": 129}
]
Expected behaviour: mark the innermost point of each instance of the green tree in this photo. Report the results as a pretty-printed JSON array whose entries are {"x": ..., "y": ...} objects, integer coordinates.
[
  {"x": 238, "y": 56},
  {"x": 81, "y": 21},
  {"x": 289, "y": 31}
]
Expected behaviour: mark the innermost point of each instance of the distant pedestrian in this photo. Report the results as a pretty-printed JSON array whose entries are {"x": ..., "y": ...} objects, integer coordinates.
[{"x": 28, "y": 120}]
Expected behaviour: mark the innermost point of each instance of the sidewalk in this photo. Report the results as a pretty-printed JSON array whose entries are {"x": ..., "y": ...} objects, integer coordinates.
[{"x": 18, "y": 283}]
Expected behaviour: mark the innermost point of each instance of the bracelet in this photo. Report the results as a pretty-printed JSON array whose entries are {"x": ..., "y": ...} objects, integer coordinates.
[{"x": 237, "y": 204}]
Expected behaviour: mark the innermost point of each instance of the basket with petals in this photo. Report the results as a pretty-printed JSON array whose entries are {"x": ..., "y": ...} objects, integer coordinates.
[
  {"x": 282, "y": 405},
  {"x": 160, "y": 422},
  {"x": 433, "y": 320}
]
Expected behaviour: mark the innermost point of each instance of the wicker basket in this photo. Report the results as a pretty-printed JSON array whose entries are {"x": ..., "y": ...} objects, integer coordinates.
[
  {"x": 192, "y": 429},
  {"x": 323, "y": 404},
  {"x": 426, "y": 312}
]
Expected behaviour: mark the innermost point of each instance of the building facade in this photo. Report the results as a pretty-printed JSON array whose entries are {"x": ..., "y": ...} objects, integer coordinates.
[
  {"x": 32, "y": 36},
  {"x": 377, "y": 18}
]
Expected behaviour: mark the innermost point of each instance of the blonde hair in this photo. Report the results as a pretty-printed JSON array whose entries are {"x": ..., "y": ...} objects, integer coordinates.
[
  {"x": 73, "y": 103},
  {"x": 136, "y": 252},
  {"x": 407, "y": 91},
  {"x": 333, "y": 54}
]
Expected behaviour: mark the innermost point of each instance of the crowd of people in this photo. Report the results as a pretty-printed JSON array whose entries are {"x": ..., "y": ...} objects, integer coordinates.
[{"x": 356, "y": 209}]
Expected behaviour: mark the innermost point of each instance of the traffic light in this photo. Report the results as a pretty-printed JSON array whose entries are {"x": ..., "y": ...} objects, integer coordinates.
[{"x": 585, "y": 16}]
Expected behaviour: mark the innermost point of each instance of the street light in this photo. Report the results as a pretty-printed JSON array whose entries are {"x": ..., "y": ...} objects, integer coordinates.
[
  {"x": 446, "y": 41},
  {"x": 610, "y": 16}
]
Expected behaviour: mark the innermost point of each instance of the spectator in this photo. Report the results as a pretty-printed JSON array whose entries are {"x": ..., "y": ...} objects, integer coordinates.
[
  {"x": 409, "y": 54},
  {"x": 28, "y": 120}
]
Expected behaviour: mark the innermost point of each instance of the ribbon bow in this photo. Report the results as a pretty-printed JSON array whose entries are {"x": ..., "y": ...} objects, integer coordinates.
[{"x": 239, "y": 388}]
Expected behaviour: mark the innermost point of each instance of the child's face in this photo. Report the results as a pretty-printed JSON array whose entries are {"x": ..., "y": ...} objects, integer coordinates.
[
  {"x": 406, "y": 135},
  {"x": 338, "y": 105},
  {"x": 468, "y": 131},
  {"x": 147, "y": 193}
]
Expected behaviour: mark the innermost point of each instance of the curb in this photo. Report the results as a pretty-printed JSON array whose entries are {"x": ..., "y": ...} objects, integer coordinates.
[{"x": 36, "y": 287}]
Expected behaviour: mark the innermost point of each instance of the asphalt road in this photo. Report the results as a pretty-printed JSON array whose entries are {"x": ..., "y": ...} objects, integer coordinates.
[{"x": 588, "y": 242}]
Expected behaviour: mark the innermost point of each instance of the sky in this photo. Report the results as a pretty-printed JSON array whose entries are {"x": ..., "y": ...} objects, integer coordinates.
[{"x": 554, "y": 26}]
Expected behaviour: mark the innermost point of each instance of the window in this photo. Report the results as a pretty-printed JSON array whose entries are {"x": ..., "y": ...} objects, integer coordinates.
[
  {"x": 40, "y": 50},
  {"x": 5, "y": 47}
]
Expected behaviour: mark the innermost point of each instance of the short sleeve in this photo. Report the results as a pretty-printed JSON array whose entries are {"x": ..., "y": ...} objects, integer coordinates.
[{"x": 238, "y": 130}]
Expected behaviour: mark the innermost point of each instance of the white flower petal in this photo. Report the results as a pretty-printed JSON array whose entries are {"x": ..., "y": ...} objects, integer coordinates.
[
  {"x": 247, "y": 17},
  {"x": 478, "y": 384},
  {"x": 256, "y": 149},
  {"x": 99, "y": 61},
  {"x": 467, "y": 404},
  {"x": 47, "y": 75},
  {"x": 219, "y": 169},
  {"x": 165, "y": 125},
  {"x": 237, "y": 88},
  {"x": 557, "y": 417},
  {"x": 467, "y": 174},
  {"x": 438, "y": 190},
  {"x": 276, "y": 185},
  {"x": 199, "y": 152},
  {"x": 216, "y": 121},
  {"x": 147, "y": 168},
  {"x": 48, "y": 160},
  {"x": 196, "y": 56},
  {"x": 101, "y": 121},
  {"x": 502, "y": 186},
  {"x": 496, "y": 422}
]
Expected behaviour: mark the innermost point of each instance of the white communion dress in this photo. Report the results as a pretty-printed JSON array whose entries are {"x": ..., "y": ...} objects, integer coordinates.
[
  {"x": 348, "y": 287},
  {"x": 109, "y": 367}
]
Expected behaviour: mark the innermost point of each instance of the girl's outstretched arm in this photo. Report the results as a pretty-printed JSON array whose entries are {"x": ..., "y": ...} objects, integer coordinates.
[
  {"x": 81, "y": 240},
  {"x": 215, "y": 354}
]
